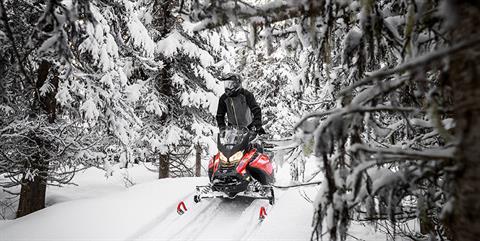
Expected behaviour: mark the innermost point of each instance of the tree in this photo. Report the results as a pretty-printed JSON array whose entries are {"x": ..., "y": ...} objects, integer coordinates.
[
  {"x": 163, "y": 22},
  {"x": 30, "y": 151},
  {"x": 463, "y": 77},
  {"x": 67, "y": 94},
  {"x": 186, "y": 86}
]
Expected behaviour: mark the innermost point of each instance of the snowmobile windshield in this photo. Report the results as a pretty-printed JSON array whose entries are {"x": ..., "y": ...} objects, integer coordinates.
[
  {"x": 232, "y": 140},
  {"x": 232, "y": 137}
]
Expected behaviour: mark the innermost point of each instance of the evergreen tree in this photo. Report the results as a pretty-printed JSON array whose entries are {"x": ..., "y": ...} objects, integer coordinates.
[
  {"x": 186, "y": 85},
  {"x": 67, "y": 95}
]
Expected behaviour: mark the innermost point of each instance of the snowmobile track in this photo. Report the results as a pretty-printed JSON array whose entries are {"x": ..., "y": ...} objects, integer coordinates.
[
  {"x": 216, "y": 219},
  {"x": 221, "y": 215},
  {"x": 196, "y": 223},
  {"x": 153, "y": 223}
]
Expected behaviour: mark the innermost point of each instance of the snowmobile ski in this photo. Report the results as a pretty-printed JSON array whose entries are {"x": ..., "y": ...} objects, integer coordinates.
[
  {"x": 181, "y": 208},
  {"x": 262, "y": 214}
]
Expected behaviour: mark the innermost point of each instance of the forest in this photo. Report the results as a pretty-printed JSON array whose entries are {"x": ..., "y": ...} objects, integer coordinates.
[{"x": 380, "y": 96}]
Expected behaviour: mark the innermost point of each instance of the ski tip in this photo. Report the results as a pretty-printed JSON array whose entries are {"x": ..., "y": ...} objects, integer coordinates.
[
  {"x": 262, "y": 214},
  {"x": 181, "y": 208}
]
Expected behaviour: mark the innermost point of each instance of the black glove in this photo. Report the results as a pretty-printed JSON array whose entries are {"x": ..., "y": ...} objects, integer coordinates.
[
  {"x": 261, "y": 131},
  {"x": 258, "y": 129},
  {"x": 221, "y": 131}
]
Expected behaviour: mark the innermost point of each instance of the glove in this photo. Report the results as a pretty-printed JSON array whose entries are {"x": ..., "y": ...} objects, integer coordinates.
[
  {"x": 221, "y": 131},
  {"x": 260, "y": 130}
]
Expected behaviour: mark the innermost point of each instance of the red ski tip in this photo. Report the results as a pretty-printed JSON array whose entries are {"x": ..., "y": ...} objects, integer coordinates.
[
  {"x": 181, "y": 208},
  {"x": 263, "y": 213}
]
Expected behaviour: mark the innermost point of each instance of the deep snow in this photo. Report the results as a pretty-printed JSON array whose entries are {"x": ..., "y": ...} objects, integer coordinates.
[{"x": 99, "y": 209}]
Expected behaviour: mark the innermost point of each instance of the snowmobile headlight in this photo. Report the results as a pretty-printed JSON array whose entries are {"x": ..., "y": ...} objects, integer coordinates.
[
  {"x": 228, "y": 162},
  {"x": 236, "y": 157}
]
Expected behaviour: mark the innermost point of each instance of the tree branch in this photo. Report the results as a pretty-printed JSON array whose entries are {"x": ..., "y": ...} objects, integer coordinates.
[
  {"x": 297, "y": 185},
  {"x": 423, "y": 60},
  {"x": 272, "y": 12}
]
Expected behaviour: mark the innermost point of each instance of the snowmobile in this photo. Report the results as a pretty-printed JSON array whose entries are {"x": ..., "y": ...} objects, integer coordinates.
[{"x": 240, "y": 168}]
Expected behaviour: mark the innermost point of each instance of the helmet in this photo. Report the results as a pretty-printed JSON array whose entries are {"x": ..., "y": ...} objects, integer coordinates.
[{"x": 232, "y": 83}]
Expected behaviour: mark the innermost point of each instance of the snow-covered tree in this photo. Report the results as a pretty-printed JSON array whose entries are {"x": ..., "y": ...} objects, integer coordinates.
[
  {"x": 186, "y": 88},
  {"x": 67, "y": 90}
]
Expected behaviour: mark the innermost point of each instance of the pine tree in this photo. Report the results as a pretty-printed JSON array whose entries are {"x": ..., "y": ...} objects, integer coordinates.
[
  {"x": 186, "y": 86},
  {"x": 67, "y": 94},
  {"x": 463, "y": 78}
]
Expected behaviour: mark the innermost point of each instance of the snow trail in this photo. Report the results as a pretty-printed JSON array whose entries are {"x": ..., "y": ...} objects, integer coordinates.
[
  {"x": 152, "y": 224},
  {"x": 216, "y": 219}
]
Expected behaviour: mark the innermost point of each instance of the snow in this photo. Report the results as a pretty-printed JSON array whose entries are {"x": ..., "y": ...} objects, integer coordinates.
[
  {"x": 292, "y": 223},
  {"x": 107, "y": 80},
  {"x": 106, "y": 209},
  {"x": 140, "y": 35},
  {"x": 175, "y": 42},
  {"x": 6, "y": 109},
  {"x": 63, "y": 96},
  {"x": 49, "y": 43},
  {"x": 351, "y": 42},
  {"x": 90, "y": 110},
  {"x": 215, "y": 41},
  {"x": 201, "y": 100},
  {"x": 112, "y": 217},
  {"x": 133, "y": 92}
]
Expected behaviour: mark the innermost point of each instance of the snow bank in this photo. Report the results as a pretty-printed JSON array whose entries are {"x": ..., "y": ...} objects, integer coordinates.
[{"x": 112, "y": 217}]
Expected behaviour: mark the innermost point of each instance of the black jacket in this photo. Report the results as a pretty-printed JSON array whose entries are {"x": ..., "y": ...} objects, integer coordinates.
[{"x": 239, "y": 109}]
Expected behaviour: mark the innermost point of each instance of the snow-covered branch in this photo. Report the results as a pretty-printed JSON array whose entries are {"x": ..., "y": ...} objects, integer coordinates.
[
  {"x": 354, "y": 109},
  {"x": 430, "y": 154},
  {"x": 275, "y": 11},
  {"x": 415, "y": 63}
]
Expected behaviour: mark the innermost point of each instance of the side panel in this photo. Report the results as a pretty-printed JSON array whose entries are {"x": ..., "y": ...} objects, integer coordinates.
[
  {"x": 263, "y": 163},
  {"x": 242, "y": 166},
  {"x": 212, "y": 161},
  {"x": 213, "y": 165}
]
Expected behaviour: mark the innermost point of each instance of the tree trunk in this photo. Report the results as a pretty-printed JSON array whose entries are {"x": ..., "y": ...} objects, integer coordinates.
[
  {"x": 32, "y": 194},
  {"x": 464, "y": 76},
  {"x": 33, "y": 190},
  {"x": 163, "y": 22},
  {"x": 163, "y": 17},
  {"x": 198, "y": 160},
  {"x": 34, "y": 183},
  {"x": 47, "y": 102},
  {"x": 164, "y": 167}
]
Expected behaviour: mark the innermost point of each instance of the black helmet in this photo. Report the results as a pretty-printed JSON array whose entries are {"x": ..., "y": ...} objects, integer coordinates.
[{"x": 232, "y": 83}]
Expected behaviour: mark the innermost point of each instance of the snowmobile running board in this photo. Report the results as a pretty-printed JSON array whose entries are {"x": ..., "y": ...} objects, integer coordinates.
[
  {"x": 205, "y": 192},
  {"x": 197, "y": 198}
]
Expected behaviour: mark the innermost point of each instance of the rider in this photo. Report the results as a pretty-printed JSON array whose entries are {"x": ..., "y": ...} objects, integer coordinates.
[{"x": 239, "y": 105}]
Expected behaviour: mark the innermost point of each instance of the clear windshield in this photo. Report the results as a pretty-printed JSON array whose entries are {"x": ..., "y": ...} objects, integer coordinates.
[{"x": 231, "y": 137}]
